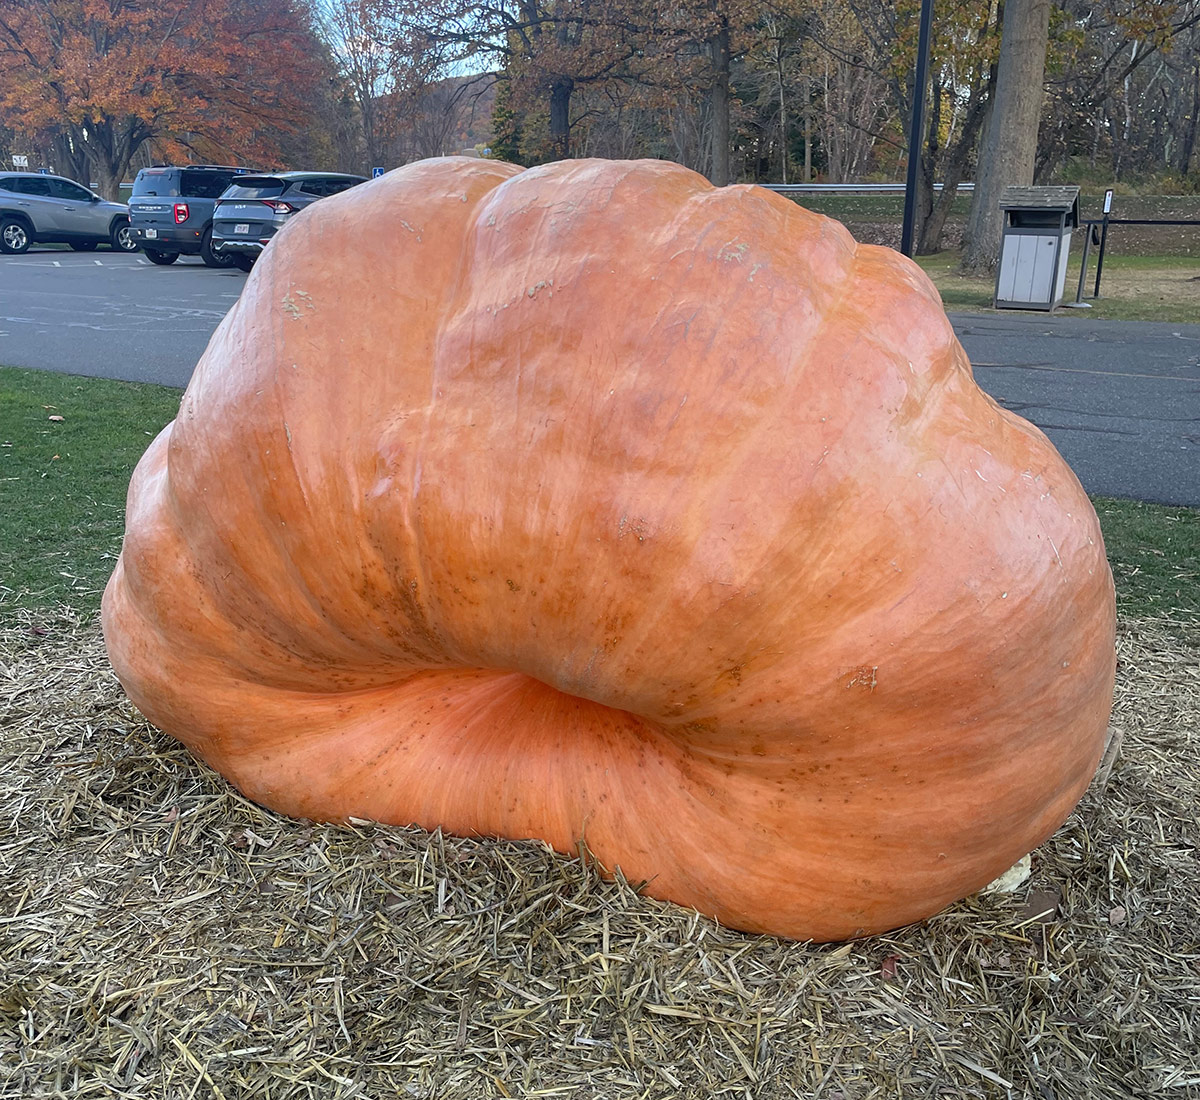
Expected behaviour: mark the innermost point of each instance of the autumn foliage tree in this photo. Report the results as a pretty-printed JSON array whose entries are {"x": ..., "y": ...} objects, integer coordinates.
[{"x": 100, "y": 78}]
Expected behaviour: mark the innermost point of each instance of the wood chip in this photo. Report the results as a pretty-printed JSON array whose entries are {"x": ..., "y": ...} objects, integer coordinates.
[{"x": 161, "y": 936}]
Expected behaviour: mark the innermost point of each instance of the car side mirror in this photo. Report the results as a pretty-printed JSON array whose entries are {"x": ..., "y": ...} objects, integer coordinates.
[{"x": 94, "y": 198}]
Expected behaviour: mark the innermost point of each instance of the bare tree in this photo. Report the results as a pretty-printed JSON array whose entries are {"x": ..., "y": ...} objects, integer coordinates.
[
  {"x": 1118, "y": 78},
  {"x": 434, "y": 119},
  {"x": 368, "y": 66}
]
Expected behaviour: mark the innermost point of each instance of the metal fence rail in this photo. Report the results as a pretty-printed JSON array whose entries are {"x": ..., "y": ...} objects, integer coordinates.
[
  {"x": 850, "y": 188},
  {"x": 1096, "y": 232}
]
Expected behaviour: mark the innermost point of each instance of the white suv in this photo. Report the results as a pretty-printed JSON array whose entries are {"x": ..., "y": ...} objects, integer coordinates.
[{"x": 42, "y": 209}]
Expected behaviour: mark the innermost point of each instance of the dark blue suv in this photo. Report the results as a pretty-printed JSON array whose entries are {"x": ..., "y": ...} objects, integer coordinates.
[{"x": 171, "y": 209}]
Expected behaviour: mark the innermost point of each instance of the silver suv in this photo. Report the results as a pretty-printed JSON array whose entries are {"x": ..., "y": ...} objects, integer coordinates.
[
  {"x": 44, "y": 209},
  {"x": 258, "y": 205}
]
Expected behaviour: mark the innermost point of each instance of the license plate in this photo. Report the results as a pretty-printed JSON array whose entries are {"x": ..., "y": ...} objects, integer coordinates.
[
  {"x": 151, "y": 234},
  {"x": 242, "y": 227}
]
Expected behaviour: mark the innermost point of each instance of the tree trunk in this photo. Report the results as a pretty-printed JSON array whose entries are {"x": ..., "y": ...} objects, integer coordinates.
[
  {"x": 783, "y": 120},
  {"x": 96, "y": 157},
  {"x": 366, "y": 106},
  {"x": 68, "y": 158},
  {"x": 1011, "y": 142},
  {"x": 560, "y": 115},
  {"x": 1188, "y": 145},
  {"x": 929, "y": 159},
  {"x": 718, "y": 98},
  {"x": 808, "y": 132},
  {"x": 930, "y": 239},
  {"x": 827, "y": 129},
  {"x": 108, "y": 182}
]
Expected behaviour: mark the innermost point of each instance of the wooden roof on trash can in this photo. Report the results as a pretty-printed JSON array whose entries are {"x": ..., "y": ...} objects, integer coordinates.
[{"x": 1039, "y": 198}]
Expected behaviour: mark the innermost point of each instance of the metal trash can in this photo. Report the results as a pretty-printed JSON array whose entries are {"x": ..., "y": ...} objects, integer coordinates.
[{"x": 1038, "y": 222}]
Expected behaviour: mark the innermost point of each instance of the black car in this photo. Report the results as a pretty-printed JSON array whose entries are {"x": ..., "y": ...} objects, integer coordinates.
[
  {"x": 171, "y": 210},
  {"x": 257, "y": 206},
  {"x": 36, "y": 208}
]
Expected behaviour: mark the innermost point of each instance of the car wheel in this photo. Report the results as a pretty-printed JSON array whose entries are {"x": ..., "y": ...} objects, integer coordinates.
[
  {"x": 242, "y": 261},
  {"x": 163, "y": 258},
  {"x": 14, "y": 237},
  {"x": 211, "y": 258},
  {"x": 123, "y": 239},
  {"x": 83, "y": 246}
]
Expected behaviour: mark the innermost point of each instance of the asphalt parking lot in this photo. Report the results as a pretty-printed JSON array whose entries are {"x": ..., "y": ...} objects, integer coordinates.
[
  {"x": 110, "y": 314},
  {"x": 1120, "y": 400}
]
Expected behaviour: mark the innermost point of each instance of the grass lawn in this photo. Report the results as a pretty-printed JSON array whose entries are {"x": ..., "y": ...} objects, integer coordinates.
[
  {"x": 62, "y": 483},
  {"x": 1133, "y": 288}
]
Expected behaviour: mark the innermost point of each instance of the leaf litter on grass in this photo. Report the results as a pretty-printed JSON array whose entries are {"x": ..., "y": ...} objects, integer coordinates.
[{"x": 162, "y": 937}]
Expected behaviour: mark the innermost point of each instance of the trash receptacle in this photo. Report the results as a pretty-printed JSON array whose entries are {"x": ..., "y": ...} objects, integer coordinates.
[{"x": 1038, "y": 222}]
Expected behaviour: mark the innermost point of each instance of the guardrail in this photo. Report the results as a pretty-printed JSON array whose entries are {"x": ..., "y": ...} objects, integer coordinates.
[{"x": 850, "y": 188}]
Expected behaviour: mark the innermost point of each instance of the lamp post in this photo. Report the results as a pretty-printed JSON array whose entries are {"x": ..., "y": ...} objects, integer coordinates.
[{"x": 916, "y": 128}]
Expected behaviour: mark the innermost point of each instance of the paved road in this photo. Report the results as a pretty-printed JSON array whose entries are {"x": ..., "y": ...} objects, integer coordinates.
[{"x": 1120, "y": 400}]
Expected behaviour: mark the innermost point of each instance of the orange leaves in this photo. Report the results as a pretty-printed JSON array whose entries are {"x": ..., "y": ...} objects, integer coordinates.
[{"x": 110, "y": 74}]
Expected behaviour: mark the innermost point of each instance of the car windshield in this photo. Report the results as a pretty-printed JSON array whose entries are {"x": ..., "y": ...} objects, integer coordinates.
[{"x": 259, "y": 187}]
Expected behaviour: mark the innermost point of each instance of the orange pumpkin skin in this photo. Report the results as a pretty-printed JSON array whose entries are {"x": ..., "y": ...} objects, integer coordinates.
[{"x": 591, "y": 502}]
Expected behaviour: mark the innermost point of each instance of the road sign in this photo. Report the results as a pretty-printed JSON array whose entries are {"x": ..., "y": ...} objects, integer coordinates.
[
  {"x": 20, "y": 162},
  {"x": 376, "y": 173},
  {"x": 43, "y": 171}
]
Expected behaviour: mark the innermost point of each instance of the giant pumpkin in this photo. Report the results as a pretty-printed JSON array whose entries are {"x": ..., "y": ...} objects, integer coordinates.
[{"x": 592, "y": 503}]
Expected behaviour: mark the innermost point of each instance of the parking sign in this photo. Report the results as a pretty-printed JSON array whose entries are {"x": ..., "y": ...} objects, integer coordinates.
[{"x": 376, "y": 173}]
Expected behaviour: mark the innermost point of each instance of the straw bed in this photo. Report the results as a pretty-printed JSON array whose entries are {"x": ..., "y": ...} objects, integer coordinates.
[{"x": 162, "y": 937}]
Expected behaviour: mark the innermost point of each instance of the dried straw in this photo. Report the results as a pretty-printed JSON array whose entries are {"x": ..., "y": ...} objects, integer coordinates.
[{"x": 161, "y": 937}]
